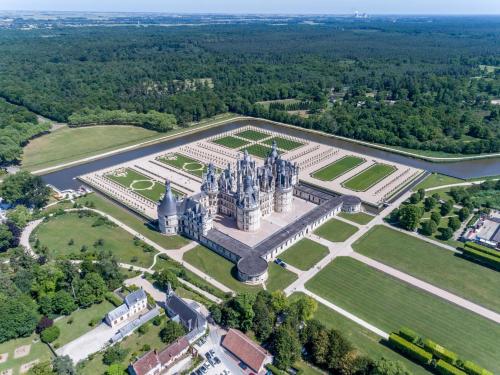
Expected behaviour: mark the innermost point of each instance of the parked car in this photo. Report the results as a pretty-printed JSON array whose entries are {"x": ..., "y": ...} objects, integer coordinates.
[{"x": 216, "y": 360}]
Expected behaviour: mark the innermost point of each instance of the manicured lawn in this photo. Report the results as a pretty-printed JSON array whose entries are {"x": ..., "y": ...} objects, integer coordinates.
[
  {"x": 279, "y": 278},
  {"x": 357, "y": 217},
  {"x": 304, "y": 254},
  {"x": 59, "y": 230},
  {"x": 258, "y": 150},
  {"x": 369, "y": 177},
  {"x": 69, "y": 144},
  {"x": 133, "y": 221},
  {"x": 336, "y": 231},
  {"x": 283, "y": 143},
  {"x": 389, "y": 304},
  {"x": 437, "y": 179},
  {"x": 217, "y": 267},
  {"x": 252, "y": 135},
  {"x": 337, "y": 168},
  {"x": 38, "y": 351},
  {"x": 81, "y": 319},
  {"x": 184, "y": 163},
  {"x": 364, "y": 340},
  {"x": 430, "y": 263},
  {"x": 306, "y": 369},
  {"x": 231, "y": 142}
]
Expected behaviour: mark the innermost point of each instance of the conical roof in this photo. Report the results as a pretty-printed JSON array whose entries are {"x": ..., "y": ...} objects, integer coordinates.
[{"x": 168, "y": 205}]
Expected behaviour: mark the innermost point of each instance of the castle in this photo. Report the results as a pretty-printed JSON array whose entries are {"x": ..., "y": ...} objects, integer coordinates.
[{"x": 246, "y": 195}]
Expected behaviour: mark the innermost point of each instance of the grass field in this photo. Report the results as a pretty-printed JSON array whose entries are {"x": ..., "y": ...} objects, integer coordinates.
[
  {"x": 336, "y": 231},
  {"x": 283, "y": 143},
  {"x": 427, "y": 262},
  {"x": 279, "y": 278},
  {"x": 252, "y": 135},
  {"x": 435, "y": 180},
  {"x": 217, "y": 267},
  {"x": 304, "y": 254},
  {"x": 81, "y": 319},
  {"x": 365, "y": 341},
  {"x": 266, "y": 103},
  {"x": 337, "y": 168},
  {"x": 141, "y": 184},
  {"x": 389, "y": 304},
  {"x": 184, "y": 163},
  {"x": 357, "y": 217},
  {"x": 369, "y": 177},
  {"x": 231, "y": 142},
  {"x": 258, "y": 150},
  {"x": 133, "y": 221},
  {"x": 59, "y": 230},
  {"x": 38, "y": 351}
]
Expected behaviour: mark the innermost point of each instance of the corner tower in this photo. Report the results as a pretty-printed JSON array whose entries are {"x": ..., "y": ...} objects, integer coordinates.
[{"x": 168, "y": 219}]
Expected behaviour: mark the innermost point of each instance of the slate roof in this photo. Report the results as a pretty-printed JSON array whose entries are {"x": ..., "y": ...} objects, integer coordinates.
[
  {"x": 253, "y": 355},
  {"x": 252, "y": 265},
  {"x": 188, "y": 316},
  {"x": 134, "y": 297},
  {"x": 118, "y": 312},
  {"x": 351, "y": 199},
  {"x": 229, "y": 243}
]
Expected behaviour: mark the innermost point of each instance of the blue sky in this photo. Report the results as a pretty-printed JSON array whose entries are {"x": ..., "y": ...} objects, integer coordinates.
[{"x": 264, "y": 6}]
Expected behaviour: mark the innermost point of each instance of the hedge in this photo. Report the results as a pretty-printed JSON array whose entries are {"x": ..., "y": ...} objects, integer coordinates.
[
  {"x": 411, "y": 350},
  {"x": 483, "y": 249},
  {"x": 445, "y": 368},
  {"x": 274, "y": 370},
  {"x": 472, "y": 369},
  {"x": 408, "y": 334},
  {"x": 113, "y": 299},
  {"x": 440, "y": 351},
  {"x": 487, "y": 259}
]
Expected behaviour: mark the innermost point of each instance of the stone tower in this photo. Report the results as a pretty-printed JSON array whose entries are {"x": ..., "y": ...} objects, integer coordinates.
[{"x": 168, "y": 219}]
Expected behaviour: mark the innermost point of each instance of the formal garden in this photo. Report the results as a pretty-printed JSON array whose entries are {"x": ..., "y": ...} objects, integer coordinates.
[
  {"x": 184, "y": 163},
  {"x": 335, "y": 230},
  {"x": 231, "y": 142},
  {"x": 252, "y": 135},
  {"x": 337, "y": 168},
  {"x": 304, "y": 254},
  {"x": 369, "y": 177}
]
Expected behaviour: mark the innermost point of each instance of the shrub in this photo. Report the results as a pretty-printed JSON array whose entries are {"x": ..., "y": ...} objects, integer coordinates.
[
  {"x": 472, "y": 369},
  {"x": 114, "y": 354},
  {"x": 410, "y": 350},
  {"x": 482, "y": 249},
  {"x": 484, "y": 258},
  {"x": 50, "y": 334},
  {"x": 113, "y": 299},
  {"x": 43, "y": 324},
  {"x": 94, "y": 321},
  {"x": 445, "y": 368},
  {"x": 408, "y": 334}
]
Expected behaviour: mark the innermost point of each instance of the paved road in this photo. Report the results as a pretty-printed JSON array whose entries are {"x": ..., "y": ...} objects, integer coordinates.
[{"x": 458, "y": 184}]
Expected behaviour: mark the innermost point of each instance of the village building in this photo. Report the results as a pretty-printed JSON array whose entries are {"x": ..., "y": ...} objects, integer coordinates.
[{"x": 135, "y": 303}]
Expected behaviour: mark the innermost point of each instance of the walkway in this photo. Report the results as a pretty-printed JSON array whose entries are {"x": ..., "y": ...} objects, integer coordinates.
[
  {"x": 24, "y": 240},
  {"x": 458, "y": 184}
]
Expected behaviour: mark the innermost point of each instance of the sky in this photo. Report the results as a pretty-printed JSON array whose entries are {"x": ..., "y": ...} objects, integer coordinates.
[{"x": 263, "y": 6}]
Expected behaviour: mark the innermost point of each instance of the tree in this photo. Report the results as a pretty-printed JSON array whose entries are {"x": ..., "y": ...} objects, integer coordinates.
[
  {"x": 339, "y": 347},
  {"x": 63, "y": 303},
  {"x": 243, "y": 305},
  {"x": 165, "y": 277},
  {"x": 63, "y": 365},
  {"x": 279, "y": 301},
  {"x": 429, "y": 227},
  {"x": 43, "y": 368},
  {"x": 90, "y": 289},
  {"x": 215, "y": 313},
  {"x": 19, "y": 317},
  {"x": 446, "y": 207},
  {"x": 171, "y": 332},
  {"x": 464, "y": 213},
  {"x": 50, "y": 334},
  {"x": 454, "y": 223},
  {"x": 436, "y": 217},
  {"x": 429, "y": 203},
  {"x": 19, "y": 215},
  {"x": 263, "y": 320},
  {"x": 114, "y": 354},
  {"x": 387, "y": 367},
  {"x": 421, "y": 193},
  {"x": 409, "y": 216},
  {"x": 25, "y": 188},
  {"x": 6, "y": 237},
  {"x": 285, "y": 346},
  {"x": 446, "y": 234},
  {"x": 43, "y": 324},
  {"x": 320, "y": 347},
  {"x": 305, "y": 307},
  {"x": 115, "y": 369}
]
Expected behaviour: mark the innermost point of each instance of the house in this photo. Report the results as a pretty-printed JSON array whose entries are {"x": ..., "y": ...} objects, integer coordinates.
[
  {"x": 246, "y": 350},
  {"x": 135, "y": 303},
  {"x": 153, "y": 363},
  {"x": 182, "y": 312}
]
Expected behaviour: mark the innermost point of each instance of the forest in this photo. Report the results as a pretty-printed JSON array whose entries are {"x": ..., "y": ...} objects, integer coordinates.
[{"x": 420, "y": 84}]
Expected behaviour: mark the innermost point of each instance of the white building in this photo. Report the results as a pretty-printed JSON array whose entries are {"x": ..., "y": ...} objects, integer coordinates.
[{"x": 135, "y": 303}]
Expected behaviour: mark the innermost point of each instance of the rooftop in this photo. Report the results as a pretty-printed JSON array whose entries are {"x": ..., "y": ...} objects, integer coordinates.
[
  {"x": 146, "y": 363},
  {"x": 253, "y": 355}
]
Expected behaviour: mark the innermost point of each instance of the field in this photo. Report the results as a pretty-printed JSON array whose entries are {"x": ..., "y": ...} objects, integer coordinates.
[
  {"x": 304, "y": 254},
  {"x": 357, "y": 217},
  {"x": 252, "y": 135},
  {"x": 389, "y": 304},
  {"x": 59, "y": 230},
  {"x": 266, "y": 103},
  {"x": 258, "y": 150},
  {"x": 38, "y": 351},
  {"x": 337, "y": 168},
  {"x": 231, "y": 142},
  {"x": 435, "y": 180},
  {"x": 367, "y": 342},
  {"x": 218, "y": 267},
  {"x": 369, "y": 177},
  {"x": 80, "y": 324},
  {"x": 279, "y": 278},
  {"x": 335, "y": 230},
  {"x": 427, "y": 262},
  {"x": 137, "y": 182},
  {"x": 283, "y": 143},
  {"x": 184, "y": 163}
]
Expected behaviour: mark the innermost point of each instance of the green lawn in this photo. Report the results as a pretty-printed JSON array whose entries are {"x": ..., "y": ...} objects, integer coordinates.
[
  {"x": 369, "y": 177},
  {"x": 231, "y": 142},
  {"x": 306, "y": 368},
  {"x": 252, "y": 135},
  {"x": 59, "y": 230},
  {"x": 38, "y": 351},
  {"x": 389, "y": 304},
  {"x": 435, "y": 180},
  {"x": 217, "y": 267},
  {"x": 279, "y": 278},
  {"x": 365, "y": 341},
  {"x": 336, "y": 231},
  {"x": 337, "y": 168},
  {"x": 304, "y": 254},
  {"x": 184, "y": 163},
  {"x": 258, "y": 150},
  {"x": 430, "y": 263},
  {"x": 133, "y": 221},
  {"x": 357, "y": 217},
  {"x": 80, "y": 325},
  {"x": 283, "y": 143}
]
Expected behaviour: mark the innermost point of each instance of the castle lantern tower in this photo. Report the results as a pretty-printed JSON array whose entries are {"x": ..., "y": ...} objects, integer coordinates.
[
  {"x": 284, "y": 187},
  {"x": 248, "y": 206},
  {"x": 168, "y": 220},
  {"x": 210, "y": 187}
]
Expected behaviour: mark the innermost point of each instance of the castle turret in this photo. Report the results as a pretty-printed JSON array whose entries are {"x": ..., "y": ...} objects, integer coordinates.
[
  {"x": 168, "y": 220},
  {"x": 248, "y": 206}
]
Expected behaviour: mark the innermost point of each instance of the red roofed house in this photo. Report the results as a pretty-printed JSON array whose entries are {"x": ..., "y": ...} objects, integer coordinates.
[{"x": 247, "y": 351}]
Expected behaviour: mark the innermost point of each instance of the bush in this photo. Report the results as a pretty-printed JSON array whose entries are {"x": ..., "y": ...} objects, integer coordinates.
[
  {"x": 113, "y": 299},
  {"x": 114, "y": 354},
  {"x": 50, "y": 334},
  {"x": 410, "y": 350},
  {"x": 43, "y": 324},
  {"x": 409, "y": 334},
  {"x": 445, "y": 368},
  {"x": 487, "y": 259},
  {"x": 94, "y": 321},
  {"x": 472, "y": 369},
  {"x": 482, "y": 249}
]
